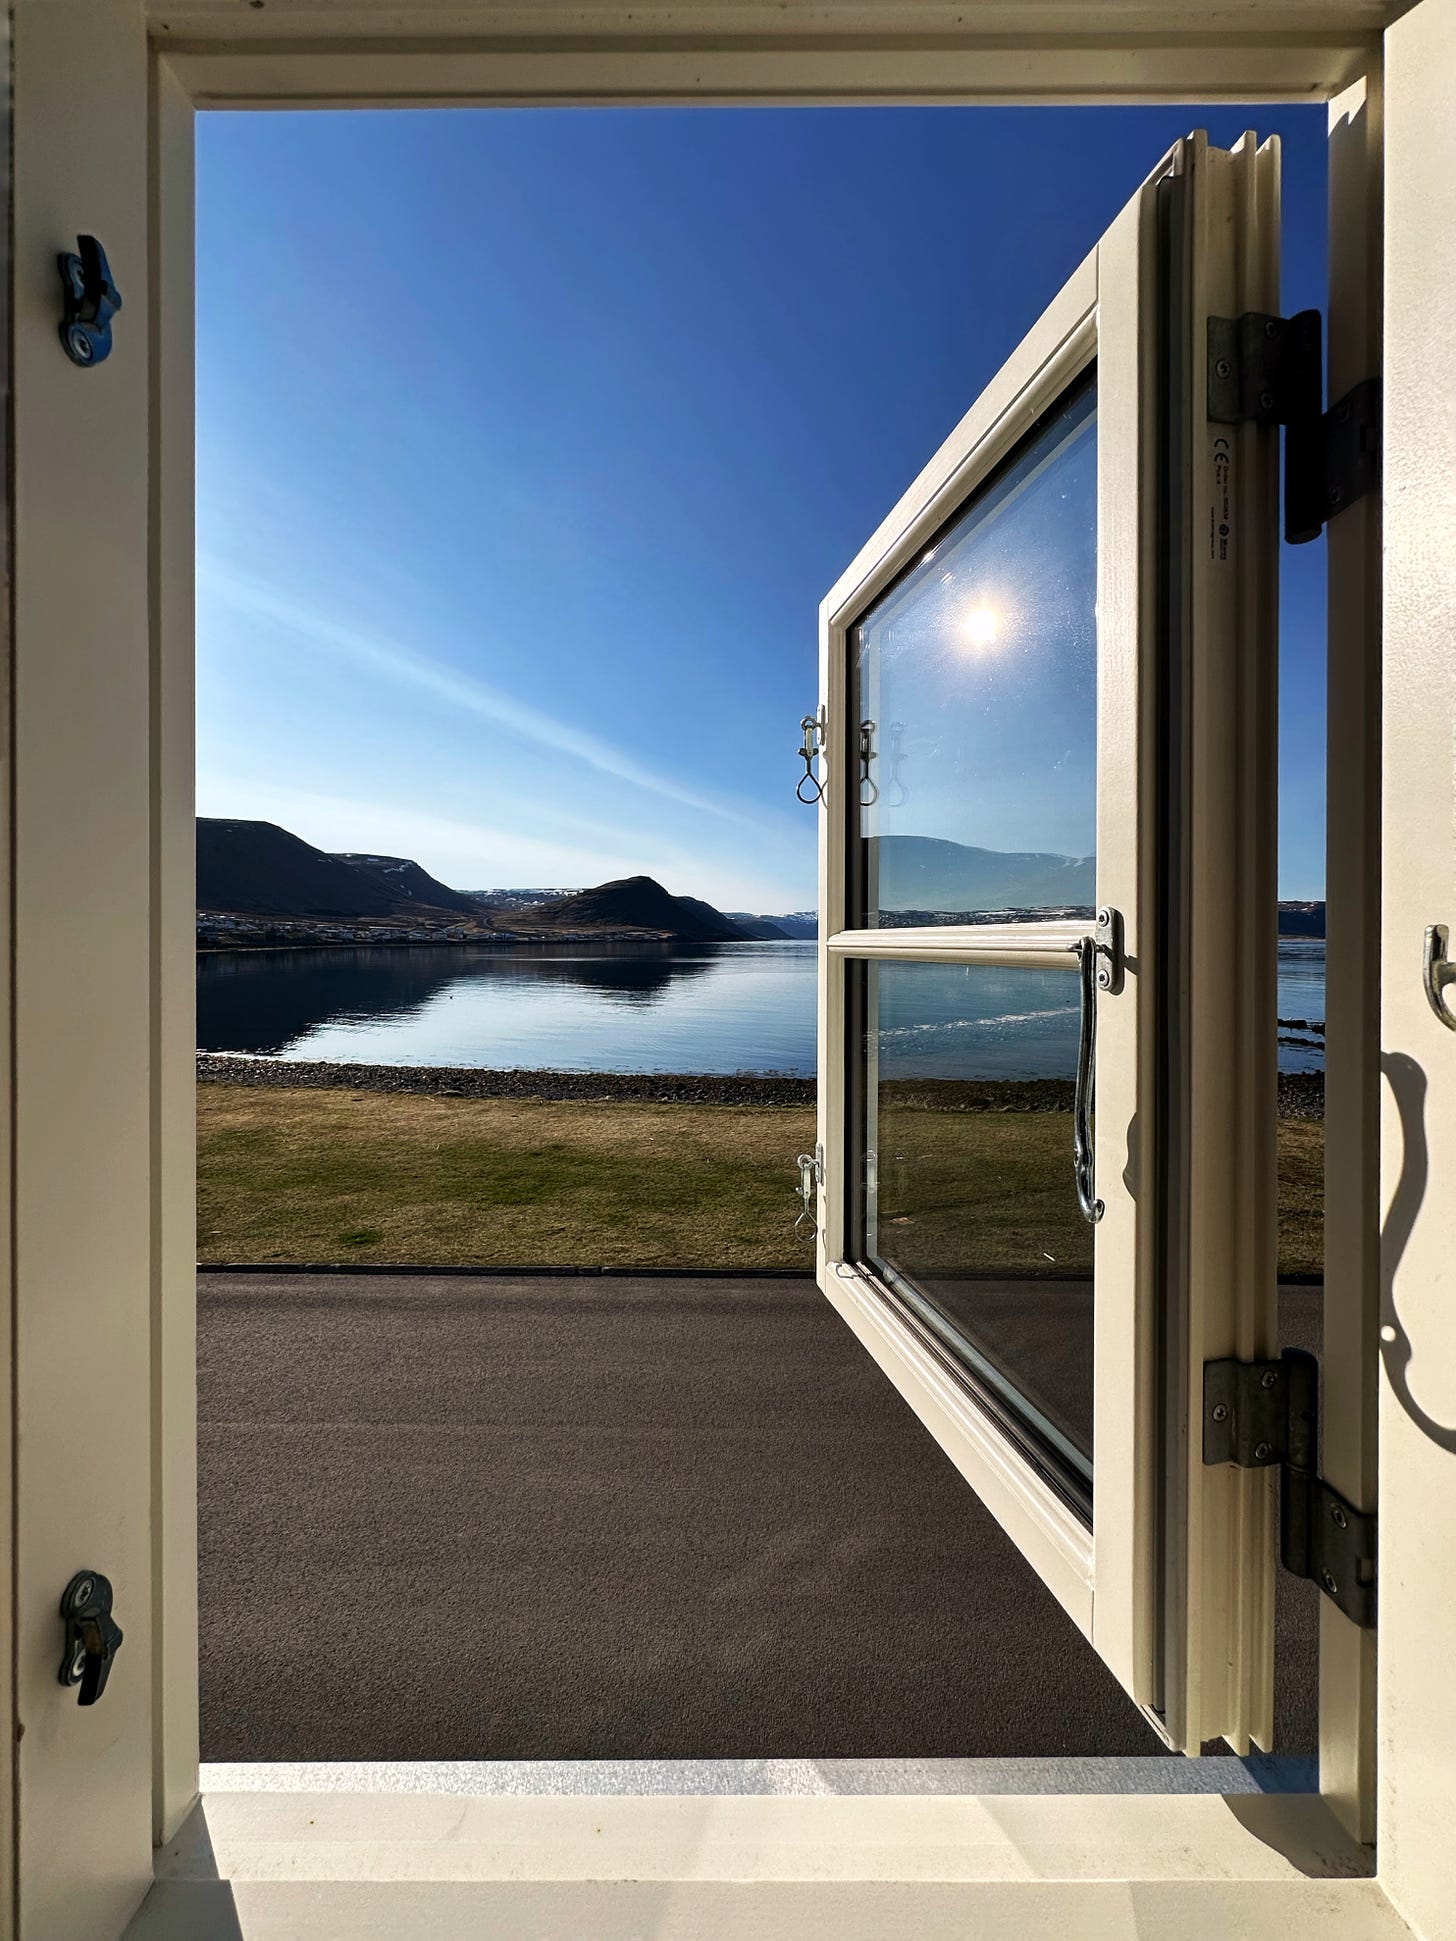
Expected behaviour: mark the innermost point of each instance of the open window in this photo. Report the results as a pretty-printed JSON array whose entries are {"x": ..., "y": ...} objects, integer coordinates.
[{"x": 1046, "y": 1172}]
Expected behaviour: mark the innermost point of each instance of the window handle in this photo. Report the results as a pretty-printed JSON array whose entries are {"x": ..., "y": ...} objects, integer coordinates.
[
  {"x": 1439, "y": 972},
  {"x": 93, "y": 1637},
  {"x": 1083, "y": 1157}
]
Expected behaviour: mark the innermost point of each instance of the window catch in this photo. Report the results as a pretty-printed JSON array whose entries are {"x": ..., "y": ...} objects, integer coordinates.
[
  {"x": 814, "y": 732},
  {"x": 93, "y": 1637},
  {"x": 811, "y": 1185},
  {"x": 1270, "y": 371},
  {"x": 1258, "y": 1414},
  {"x": 90, "y": 301},
  {"x": 869, "y": 789}
]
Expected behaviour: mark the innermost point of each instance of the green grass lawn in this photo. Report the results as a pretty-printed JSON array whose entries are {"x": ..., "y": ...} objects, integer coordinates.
[{"x": 327, "y": 1176}]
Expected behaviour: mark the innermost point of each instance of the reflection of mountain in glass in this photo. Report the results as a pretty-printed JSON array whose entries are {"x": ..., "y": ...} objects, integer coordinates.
[
  {"x": 265, "y": 1001},
  {"x": 930, "y": 878}
]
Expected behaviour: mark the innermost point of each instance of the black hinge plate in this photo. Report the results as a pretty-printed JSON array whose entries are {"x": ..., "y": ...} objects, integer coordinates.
[
  {"x": 1323, "y": 1537},
  {"x": 1259, "y": 1413},
  {"x": 1267, "y": 370},
  {"x": 1337, "y": 463},
  {"x": 1250, "y": 1409}
]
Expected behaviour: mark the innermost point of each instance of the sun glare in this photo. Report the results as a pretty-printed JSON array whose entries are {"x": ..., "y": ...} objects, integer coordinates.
[{"x": 979, "y": 627}]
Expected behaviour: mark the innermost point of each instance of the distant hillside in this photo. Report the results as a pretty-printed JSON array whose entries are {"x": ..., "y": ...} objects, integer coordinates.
[
  {"x": 1301, "y": 919},
  {"x": 258, "y": 869},
  {"x": 927, "y": 873},
  {"x": 518, "y": 899},
  {"x": 415, "y": 887},
  {"x": 767, "y": 930},
  {"x": 639, "y": 903},
  {"x": 802, "y": 925},
  {"x": 259, "y": 883}
]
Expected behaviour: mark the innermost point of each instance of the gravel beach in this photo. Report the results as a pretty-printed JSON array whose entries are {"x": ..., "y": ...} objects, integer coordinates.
[{"x": 1301, "y": 1094}]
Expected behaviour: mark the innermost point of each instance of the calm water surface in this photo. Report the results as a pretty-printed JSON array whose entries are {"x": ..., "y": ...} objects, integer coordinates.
[{"x": 652, "y": 1008}]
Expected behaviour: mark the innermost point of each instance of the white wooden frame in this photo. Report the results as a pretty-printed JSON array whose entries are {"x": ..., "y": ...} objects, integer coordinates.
[
  {"x": 1209, "y": 1671},
  {"x": 342, "y": 52},
  {"x": 1060, "y": 346}
]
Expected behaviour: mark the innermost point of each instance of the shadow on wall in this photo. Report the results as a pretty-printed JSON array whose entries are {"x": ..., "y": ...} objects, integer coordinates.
[{"x": 1408, "y": 1086}]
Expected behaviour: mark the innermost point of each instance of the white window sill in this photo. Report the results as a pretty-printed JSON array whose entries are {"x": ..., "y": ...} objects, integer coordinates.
[{"x": 529, "y": 1859}]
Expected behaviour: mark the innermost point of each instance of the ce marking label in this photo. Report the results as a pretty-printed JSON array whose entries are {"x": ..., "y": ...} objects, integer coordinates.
[{"x": 1220, "y": 511}]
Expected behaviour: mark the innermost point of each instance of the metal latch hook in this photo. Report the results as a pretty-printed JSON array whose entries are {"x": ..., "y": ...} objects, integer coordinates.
[
  {"x": 815, "y": 731},
  {"x": 811, "y": 1180}
]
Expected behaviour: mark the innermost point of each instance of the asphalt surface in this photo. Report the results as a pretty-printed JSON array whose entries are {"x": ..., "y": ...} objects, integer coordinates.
[{"x": 476, "y": 1517}]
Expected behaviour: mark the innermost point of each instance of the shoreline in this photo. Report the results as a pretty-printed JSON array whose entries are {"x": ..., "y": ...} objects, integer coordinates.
[
  {"x": 492, "y": 940},
  {"x": 1301, "y": 1094}
]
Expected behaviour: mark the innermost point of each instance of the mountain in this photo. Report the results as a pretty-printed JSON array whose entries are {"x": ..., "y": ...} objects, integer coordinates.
[
  {"x": 255, "y": 870},
  {"x": 1301, "y": 919},
  {"x": 802, "y": 925},
  {"x": 415, "y": 887},
  {"x": 516, "y": 899},
  {"x": 926, "y": 873},
  {"x": 258, "y": 869},
  {"x": 759, "y": 930},
  {"x": 261, "y": 870},
  {"x": 639, "y": 903}
]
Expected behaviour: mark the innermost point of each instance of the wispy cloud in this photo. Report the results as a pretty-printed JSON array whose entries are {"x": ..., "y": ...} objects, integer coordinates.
[
  {"x": 407, "y": 667},
  {"x": 469, "y": 855}
]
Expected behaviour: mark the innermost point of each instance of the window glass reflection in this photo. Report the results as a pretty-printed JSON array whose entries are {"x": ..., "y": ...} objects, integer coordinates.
[
  {"x": 968, "y": 1207},
  {"x": 976, "y": 697}
]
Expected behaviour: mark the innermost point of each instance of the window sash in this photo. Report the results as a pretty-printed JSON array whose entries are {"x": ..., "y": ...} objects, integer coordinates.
[{"x": 1174, "y": 1585}]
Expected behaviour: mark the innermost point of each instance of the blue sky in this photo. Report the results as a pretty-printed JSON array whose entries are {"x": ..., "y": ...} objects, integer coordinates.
[{"x": 529, "y": 441}]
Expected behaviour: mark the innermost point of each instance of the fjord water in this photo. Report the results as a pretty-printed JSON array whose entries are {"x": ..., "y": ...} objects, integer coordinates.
[{"x": 722, "y": 1008}]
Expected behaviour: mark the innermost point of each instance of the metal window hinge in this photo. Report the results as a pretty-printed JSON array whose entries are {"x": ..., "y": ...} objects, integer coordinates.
[
  {"x": 1260, "y": 1413},
  {"x": 1270, "y": 371}
]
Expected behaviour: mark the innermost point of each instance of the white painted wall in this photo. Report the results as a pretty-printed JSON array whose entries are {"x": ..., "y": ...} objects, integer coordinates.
[{"x": 1417, "y": 1664}]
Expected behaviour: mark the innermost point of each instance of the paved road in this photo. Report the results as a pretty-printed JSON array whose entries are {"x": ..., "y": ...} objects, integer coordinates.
[{"x": 473, "y": 1518}]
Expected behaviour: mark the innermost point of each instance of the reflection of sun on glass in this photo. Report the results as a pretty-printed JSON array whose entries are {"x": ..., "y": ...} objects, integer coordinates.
[{"x": 979, "y": 627}]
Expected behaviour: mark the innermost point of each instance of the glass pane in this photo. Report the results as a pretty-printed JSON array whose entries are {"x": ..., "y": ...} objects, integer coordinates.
[
  {"x": 975, "y": 687},
  {"x": 963, "y": 1090}
]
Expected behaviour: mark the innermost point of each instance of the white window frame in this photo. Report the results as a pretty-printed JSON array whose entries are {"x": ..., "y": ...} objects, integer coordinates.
[
  {"x": 1060, "y": 347},
  {"x": 88, "y": 59},
  {"x": 1207, "y": 1558}
]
